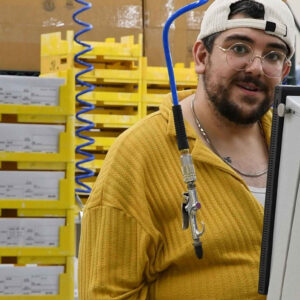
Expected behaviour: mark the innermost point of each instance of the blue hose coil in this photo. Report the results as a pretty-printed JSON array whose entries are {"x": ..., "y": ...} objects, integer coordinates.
[
  {"x": 86, "y": 105},
  {"x": 166, "y": 29}
]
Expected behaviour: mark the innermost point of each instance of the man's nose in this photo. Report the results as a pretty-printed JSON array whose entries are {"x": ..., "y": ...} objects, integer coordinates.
[{"x": 255, "y": 66}]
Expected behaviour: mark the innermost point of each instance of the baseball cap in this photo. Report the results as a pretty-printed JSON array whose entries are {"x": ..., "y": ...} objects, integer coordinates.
[{"x": 278, "y": 21}]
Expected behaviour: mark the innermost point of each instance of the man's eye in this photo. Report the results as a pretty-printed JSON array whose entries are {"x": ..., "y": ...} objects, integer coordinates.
[
  {"x": 274, "y": 57},
  {"x": 240, "y": 49}
]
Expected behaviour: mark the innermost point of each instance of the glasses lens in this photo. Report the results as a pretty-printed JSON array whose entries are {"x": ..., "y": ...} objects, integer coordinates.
[
  {"x": 238, "y": 56},
  {"x": 273, "y": 63}
]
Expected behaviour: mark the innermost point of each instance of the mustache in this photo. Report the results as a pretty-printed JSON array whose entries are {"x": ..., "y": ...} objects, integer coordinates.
[{"x": 250, "y": 79}]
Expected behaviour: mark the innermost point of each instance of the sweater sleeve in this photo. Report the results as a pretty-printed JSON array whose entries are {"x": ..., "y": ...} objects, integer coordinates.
[{"x": 114, "y": 256}]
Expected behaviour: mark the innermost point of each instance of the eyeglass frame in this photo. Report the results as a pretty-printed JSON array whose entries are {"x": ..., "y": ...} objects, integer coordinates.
[{"x": 251, "y": 60}]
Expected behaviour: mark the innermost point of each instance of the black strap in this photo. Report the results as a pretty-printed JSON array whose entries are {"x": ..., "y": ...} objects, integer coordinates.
[{"x": 270, "y": 26}]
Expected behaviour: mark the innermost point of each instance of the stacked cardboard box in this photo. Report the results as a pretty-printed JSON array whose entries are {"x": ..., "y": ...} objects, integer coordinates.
[{"x": 22, "y": 24}]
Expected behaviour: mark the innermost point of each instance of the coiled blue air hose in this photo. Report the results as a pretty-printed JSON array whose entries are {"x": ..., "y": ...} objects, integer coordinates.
[
  {"x": 190, "y": 203},
  {"x": 86, "y": 105}
]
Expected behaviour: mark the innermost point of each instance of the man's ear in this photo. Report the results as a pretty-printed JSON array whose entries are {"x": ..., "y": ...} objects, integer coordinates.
[{"x": 200, "y": 57}]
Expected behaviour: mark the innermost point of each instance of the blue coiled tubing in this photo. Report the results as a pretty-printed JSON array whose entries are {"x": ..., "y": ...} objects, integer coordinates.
[{"x": 86, "y": 106}]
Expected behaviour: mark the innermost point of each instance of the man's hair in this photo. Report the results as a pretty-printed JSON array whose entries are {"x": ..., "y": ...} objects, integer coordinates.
[{"x": 248, "y": 8}]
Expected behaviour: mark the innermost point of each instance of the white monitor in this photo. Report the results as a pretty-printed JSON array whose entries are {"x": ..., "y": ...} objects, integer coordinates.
[{"x": 280, "y": 251}]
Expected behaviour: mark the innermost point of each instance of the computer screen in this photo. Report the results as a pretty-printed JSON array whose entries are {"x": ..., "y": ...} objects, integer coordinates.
[{"x": 279, "y": 276}]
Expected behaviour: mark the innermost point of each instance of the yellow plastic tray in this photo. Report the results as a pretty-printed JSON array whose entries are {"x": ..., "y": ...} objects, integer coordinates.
[
  {"x": 109, "y": 98},
  {"x": 52, "y": 45},
  {"x": 111, "y": 76},
  {"x": 49, "y": 114},
  {"x": 94, "y": 165},
  {"x": 58, "y": 54},
  {"x": 89, "y": 181},
  {"x": 66, "y": 198},
  {"x": 101, "y": 142},
  {"x": 66, "y": 240},
  {"x": 111, "y": 118},
  {"x": 65, "y": 153},
  {"x": 66, "y": 280},
  {"x": 159, "y": 75}
]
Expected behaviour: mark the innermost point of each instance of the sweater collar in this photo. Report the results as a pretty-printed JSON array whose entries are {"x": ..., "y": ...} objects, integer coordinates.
[{"x": 200, "y": 152}]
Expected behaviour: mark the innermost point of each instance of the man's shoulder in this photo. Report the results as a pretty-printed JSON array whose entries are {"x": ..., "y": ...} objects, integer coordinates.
[{"x": 153, "y": 126}]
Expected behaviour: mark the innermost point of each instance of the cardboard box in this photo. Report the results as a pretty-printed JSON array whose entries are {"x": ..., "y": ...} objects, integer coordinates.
[
  {"x": 22, "y": 24},
  {"x": 157, "y": 12},
  {"x": 181, "y": 46},
  {"x": 182, "y": 34}
]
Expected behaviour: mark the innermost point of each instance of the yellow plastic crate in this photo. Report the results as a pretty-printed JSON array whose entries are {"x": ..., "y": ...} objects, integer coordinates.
[
  {"x": 159, "y": 75},
  {"x": 94, "y": 165},
  {"x": 154, "y": 96},
  {"x": 105, "y": 76},
  {"x": 57, "y": 54},
  {"x": 66, "y": 279},
  {"x": 103, "y": 140},
  {"x": 149, "y": 108},
  {"x": 65, "y": 153},
  {"x": 66, "y": 196},
  {"x": 89, "y": 181},
  {"x": 53, "y": 45},
  {"x": 112, "y": 96},
  {"x": 66, "y": 236},
  {"x": 111, "y": 118},
  {"x": 39, "y": 113},
  {"x": 101, "y": 143},
  {"x": 99, "y": 76}
]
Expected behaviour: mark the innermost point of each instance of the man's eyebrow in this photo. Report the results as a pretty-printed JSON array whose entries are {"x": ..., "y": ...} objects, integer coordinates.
[
  {"x": 278, "y": 46},
  {"x": 239, "y": 37}
]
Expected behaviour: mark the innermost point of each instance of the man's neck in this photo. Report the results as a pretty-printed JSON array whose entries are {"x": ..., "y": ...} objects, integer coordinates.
[
  {"x": 217, "y": 126},
  {"x": 245, "y": 146}
]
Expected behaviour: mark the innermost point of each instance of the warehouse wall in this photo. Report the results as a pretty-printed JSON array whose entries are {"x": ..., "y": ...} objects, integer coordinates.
[{"x": 22, "y": 23}]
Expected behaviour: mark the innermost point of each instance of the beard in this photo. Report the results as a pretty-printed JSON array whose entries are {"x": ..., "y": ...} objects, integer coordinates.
[{"x": 219, "y": 96}]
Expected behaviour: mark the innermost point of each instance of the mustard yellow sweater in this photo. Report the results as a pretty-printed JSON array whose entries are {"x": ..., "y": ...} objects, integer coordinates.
[{"x": 132, "y": 245}]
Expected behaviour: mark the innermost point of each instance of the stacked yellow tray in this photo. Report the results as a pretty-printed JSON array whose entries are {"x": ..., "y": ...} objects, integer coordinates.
[
  {"x": 126, "y": 88},
  {"x": 37, "y": 202},
  {"x": 156, "y": 83},
  {"x": 117, "y": 77}
]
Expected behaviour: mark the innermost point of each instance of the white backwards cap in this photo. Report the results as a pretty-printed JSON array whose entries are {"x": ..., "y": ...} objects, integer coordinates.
[{"x": 278, "y": 21}]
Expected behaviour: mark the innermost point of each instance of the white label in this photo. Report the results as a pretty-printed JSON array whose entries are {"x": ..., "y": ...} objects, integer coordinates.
[
  {"x": 24, "y": 90},
  {"x": 30, "y": 232},
  {"x": 30, "y": 185},
  {"x": 30, "y": 137},
  {"x": 30, "y": 280}
]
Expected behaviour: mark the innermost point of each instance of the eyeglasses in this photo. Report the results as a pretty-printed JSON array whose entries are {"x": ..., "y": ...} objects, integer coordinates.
[{"x": 240, "y": 55}]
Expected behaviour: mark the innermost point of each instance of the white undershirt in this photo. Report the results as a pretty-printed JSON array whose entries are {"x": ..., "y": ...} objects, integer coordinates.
[{"x": 259, "y": 194}]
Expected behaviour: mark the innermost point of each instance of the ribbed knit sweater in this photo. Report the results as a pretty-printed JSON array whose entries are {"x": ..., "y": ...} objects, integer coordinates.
[{"x": 132, "y": 243}]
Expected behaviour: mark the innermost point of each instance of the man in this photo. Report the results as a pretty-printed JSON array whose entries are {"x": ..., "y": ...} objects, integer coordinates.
[{"x": 132, "y": 244}]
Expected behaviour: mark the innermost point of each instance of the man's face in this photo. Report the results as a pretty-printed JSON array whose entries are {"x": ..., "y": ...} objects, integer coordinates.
[{"x": 242, "y": 97}]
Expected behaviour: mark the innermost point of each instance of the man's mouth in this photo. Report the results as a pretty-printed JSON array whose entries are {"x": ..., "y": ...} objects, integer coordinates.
[{"x": 248, "y": 86}]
